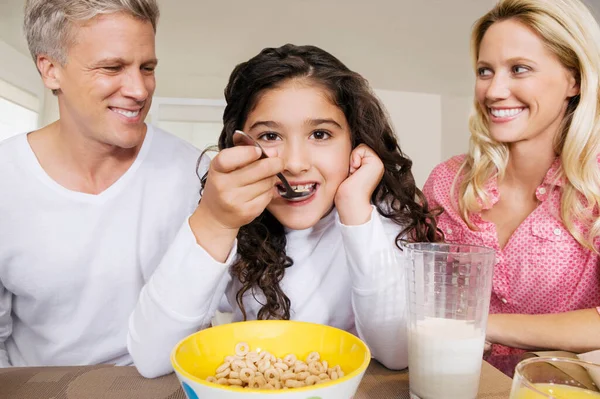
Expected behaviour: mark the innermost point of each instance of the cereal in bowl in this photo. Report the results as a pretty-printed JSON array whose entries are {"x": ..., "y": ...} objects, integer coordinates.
[{"x": 262, "y": 370}]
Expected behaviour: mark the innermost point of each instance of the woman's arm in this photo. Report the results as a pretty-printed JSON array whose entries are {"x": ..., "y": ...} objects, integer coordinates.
[{"x": 576, "y": 331}]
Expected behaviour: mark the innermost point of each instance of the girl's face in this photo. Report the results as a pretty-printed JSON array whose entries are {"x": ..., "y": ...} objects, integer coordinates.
[
  {"x": 299, "y": 123},
  {"x": 521, "y": 85}
]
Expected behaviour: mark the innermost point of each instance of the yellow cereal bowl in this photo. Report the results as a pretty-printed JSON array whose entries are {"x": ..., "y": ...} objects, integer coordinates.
[{"x": 198, "y": 356}]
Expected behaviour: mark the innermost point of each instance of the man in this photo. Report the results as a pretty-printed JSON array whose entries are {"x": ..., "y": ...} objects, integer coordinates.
[{"x": 90, "y": 203}]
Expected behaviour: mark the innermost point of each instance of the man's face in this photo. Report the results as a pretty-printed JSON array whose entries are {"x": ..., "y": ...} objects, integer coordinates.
[{"x": 107, "y": 83}]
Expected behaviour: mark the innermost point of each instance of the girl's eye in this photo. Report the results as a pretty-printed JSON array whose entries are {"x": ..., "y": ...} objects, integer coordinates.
[
  {"x": 321, "y": 135},
  {"x": 268, "y": 136}
]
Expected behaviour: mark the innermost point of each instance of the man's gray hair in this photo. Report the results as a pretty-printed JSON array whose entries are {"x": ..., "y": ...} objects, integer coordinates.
[{"x": 48, "y": 23}]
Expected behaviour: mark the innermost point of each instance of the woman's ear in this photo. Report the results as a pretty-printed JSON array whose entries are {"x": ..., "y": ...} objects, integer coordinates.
[{"x": 574, "y": 86}]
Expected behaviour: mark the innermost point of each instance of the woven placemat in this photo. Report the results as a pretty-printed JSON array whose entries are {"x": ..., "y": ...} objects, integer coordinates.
[
  {"x": 93, "y": 382},
  {"x": 107, "y": 382},
  {"x": 381, "y": 383}
]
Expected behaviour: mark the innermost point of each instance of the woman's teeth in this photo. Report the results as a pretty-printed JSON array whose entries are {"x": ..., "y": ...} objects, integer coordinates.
[{"x": 505, "y": 113}]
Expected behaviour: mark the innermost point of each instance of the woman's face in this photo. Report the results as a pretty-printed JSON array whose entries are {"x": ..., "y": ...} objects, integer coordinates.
[{"x": 521, "y": 86}]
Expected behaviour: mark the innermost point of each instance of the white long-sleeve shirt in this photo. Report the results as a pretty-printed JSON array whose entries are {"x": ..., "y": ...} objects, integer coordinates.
[
  {"x": 72, "y": 264},
  {"x": 344, "y": 276}
]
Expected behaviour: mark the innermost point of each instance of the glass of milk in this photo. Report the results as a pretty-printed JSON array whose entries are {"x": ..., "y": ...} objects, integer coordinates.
[
  {"x": 558, "y": 378},
  {"x": 449, "y": 288}
]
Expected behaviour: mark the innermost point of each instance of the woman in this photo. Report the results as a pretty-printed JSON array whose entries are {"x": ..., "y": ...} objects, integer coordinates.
[{"x": 530, "y": 185}]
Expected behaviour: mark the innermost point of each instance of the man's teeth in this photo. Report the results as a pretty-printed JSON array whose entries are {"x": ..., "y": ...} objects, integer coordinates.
[
  {"x": 302, "y": 188},
  {"x": 129, "y": 114},
  {"x": 504, "y": 113}
]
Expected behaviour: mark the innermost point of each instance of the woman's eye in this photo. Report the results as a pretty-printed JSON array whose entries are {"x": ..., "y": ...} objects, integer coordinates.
[
  {"x": 520, "y": 69},
  {"x": 321, "y": 135},
  {"x": 484, "y": 72}
]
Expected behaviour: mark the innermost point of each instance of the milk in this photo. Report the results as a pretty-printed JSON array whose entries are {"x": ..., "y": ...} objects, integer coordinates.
[{"x": 444, "y": 359}]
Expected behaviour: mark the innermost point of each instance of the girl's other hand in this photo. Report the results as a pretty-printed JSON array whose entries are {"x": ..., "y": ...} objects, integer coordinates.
[{"x": 353, "y": 196}]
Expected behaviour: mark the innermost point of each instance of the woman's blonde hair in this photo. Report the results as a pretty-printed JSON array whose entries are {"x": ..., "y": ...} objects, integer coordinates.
[
  {"x": 570, "y": 31},
  {"x": 48, "y": 23}
]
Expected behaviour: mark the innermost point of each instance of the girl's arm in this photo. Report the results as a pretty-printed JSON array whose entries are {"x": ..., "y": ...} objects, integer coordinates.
[
  {"x": 378, "y": 284},
  {"x": 179, "y": 299},
  {"x": 184, "y": 292},
  {"x": 5, "y": 324},
  {"x": 576, "y": 331},
  {"x": 378, "y": 288}
]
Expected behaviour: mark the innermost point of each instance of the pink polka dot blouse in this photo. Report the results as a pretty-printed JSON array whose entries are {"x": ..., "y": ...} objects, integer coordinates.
[{"x": 542, "y": 268}]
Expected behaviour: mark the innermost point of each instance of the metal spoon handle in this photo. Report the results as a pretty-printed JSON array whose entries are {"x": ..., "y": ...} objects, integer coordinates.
[{"x": 289, "y": 191}]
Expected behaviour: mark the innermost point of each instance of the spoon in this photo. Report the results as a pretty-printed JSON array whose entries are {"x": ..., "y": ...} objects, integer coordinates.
[{"x": 241, "y": 138}]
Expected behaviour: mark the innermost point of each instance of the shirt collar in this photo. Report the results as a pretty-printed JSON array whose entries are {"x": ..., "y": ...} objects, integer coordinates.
[{"x": 551, "y": 180}]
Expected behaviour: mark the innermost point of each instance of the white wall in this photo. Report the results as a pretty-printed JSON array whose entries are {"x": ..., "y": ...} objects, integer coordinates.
[
  {"x": 21, "y": 92},
  {"x": 417, "y": 120},
  {"x": 199, "y": 121},
  {"x": 455, "y": 129},
  {"x": 50, "y": 110},
  {"x": 19, "y": 70},
  {"x": 15, "y": 119}
]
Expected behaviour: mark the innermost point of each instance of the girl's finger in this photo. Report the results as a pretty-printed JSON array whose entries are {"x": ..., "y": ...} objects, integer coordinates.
[
  {"x": 234, "y": 158},
  {"x": 257, "y": 171}
]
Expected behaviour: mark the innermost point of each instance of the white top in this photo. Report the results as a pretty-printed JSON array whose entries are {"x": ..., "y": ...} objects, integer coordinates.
[
  {"x": 72, "y": 264},
  {"x": 346, "y": 277}
]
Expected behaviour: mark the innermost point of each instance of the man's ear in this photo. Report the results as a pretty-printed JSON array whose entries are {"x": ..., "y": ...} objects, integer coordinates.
[{"x": 50, "y": 72}]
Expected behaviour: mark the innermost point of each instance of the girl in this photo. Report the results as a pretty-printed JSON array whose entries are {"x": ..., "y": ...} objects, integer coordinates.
[
  {"x": 327, "y": 257},
  {"x": 530, "y": 185}
]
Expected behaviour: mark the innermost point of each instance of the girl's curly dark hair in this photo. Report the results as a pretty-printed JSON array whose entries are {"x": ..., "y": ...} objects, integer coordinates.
[{"x": 262, "y": 258}]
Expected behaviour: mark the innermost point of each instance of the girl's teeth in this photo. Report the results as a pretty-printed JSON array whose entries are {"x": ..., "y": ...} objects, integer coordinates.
[
  {"x": 503, "y": 113},
  {"x": 303, "y": 187}
]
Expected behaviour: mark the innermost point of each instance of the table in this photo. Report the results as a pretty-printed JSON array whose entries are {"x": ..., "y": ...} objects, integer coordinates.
[{"x": 108, "y": 382}]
